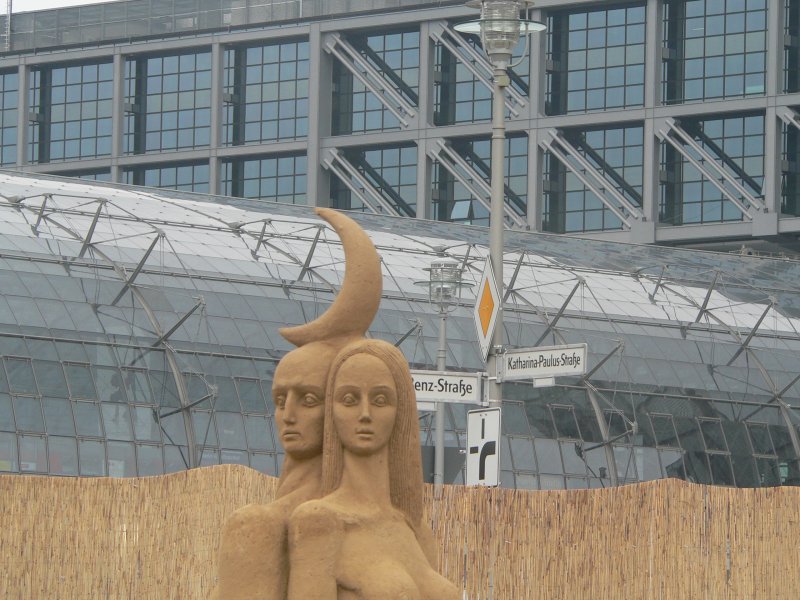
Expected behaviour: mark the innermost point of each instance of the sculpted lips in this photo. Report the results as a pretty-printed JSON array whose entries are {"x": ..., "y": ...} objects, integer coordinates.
[{"x": 290, "y": 433}]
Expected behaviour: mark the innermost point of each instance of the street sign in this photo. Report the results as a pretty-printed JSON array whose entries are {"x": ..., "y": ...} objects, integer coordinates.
[
  {"x": 447, "y": 386},
  {"x": 483, "y": 447},
  {"x": 542, "y": 364},
  {"x": 487, "y": 305}
]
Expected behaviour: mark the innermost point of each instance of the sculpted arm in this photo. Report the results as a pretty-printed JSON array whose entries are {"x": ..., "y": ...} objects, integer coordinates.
[
  {"x": 252, "y": 557},
  {"x": 315, "y": 539}
]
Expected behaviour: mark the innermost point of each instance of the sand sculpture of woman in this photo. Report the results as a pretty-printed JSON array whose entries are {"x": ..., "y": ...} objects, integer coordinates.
[
  {"x": 364, "y": 539},
  {"x": 252, "y": 562}
]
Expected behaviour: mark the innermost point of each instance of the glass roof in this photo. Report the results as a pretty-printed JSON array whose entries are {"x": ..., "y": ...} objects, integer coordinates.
[{"x": 663, "y": 303}]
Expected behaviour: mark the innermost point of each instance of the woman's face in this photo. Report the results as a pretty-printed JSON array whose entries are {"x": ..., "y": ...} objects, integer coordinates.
[
  {"x": 364, "y": 404},
  {"x": 298, "y": 390}
]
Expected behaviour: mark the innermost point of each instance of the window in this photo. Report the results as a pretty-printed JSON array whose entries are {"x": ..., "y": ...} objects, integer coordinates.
[
  {"x": 396, "y": 57},
  {"x": 266, "y": 93},
  {"x": 714, "y": 49},
  {"x": 273, "y": 178},
  {"x": 737, "y": 144},
  {"x": 71, "y": 106},
  {"x": 597, "y": 60},
  {"x": 9, "y": 103},
  {"x": 168, "y": 102},
  {"x": 616, "y": 155}
]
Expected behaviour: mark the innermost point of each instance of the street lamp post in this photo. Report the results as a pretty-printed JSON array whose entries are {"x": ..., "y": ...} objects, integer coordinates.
[
  {"x": 500, "y": 28},
  {"x": 444, "y": 289}
]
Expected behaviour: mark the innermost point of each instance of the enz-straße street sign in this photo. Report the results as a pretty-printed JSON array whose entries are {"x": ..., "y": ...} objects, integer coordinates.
[
  {"x": 542, "y": 364},
  {"x": 446, "y": 386},
  {"x": 487, "y": 305}
]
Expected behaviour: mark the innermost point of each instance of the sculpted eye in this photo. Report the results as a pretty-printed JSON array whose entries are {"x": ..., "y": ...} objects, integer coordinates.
[
  {"x": 349, "y": 400},
  {"x": 379, "y": 400},
  {"x": 280, "y": 401},
  {"x": 310, "y": 400}
]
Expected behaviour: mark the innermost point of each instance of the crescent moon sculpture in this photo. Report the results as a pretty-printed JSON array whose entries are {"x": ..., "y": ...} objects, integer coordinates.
[{"x": 355, "y": 306}]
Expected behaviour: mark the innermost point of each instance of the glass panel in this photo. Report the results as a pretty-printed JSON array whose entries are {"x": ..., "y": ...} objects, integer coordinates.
[
  {"x": 259, "y": 432},
  {"x": 145, "y": 424},
  {"x": 58, "y": 416},
  {"x": 63, "y": 455},
  {"x": 150, "y": 460},
  {"x": 8, "y": 452},
  {"x": 28, "y": 412},
  {"x": 50, "y": 377},
  {"x": 251, "y": 396},
  {"x": 117, "y": 422},
  {"x": 87, "y": 419},
  {"x": 6, "y": 414},
  {"x": 80, "y": 381},
  {"x": 121, "y": 460},
  {"x": 231, "y": 430},
  {"x": 20, "y": 376},
  {"x": 32, "y": 454},
  {"x": 92, "y": 456}
]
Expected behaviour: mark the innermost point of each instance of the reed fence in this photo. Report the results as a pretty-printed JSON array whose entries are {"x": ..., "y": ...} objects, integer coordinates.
[{"x": 99, "y": 538}]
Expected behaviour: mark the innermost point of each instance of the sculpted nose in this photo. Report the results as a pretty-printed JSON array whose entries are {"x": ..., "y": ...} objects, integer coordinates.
[
  {"x": 365, "y": 416},
  {"x": 289, "y": 415}
]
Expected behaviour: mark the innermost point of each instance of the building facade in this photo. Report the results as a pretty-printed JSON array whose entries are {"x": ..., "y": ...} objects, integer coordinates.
[
  {"x": 139, "y": 335},
  {"x": 666, "y": 121},
  {"x": 138, "y": 328}
]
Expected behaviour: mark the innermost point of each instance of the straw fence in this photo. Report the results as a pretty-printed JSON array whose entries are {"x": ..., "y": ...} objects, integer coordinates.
[{"x": 156, "y": 538}]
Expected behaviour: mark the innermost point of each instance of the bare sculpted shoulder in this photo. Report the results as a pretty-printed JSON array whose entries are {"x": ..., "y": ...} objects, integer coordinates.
[{"x": 359, "y": 555}]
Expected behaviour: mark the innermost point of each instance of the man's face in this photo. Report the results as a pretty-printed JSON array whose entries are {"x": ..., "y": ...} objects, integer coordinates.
[{"x": 298, "y": 391}]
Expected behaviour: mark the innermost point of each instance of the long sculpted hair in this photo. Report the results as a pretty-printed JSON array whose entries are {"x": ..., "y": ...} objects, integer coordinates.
[{"x": 405, "y": 463}]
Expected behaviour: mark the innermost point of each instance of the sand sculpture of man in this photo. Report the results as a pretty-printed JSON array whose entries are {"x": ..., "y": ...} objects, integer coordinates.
[{"x": 253, "y": 556}]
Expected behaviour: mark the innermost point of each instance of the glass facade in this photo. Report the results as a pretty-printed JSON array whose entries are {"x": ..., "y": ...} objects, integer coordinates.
[
  {"x": 454, "y": 202},
  {"x": 569, "y": 206},
  {"x": 390, "y": 171},
  {"x": 646, "y": 121},
  {"x": 104, "y": 373},
  {"x": 9, "y": 104},
  {"x": 393, "y": 119},
  {"x": 597, "y": 59},
  {"x": 395, "y": 56},
  {"x": 273, "y": 178},
  {"x": 168, "y": 102},
  {"x": 187, "y": 177},
  {"x": 266, "y": 93},
  {"x": 71, "y": 112},
  {"x": 714, "y": 49},
  {"x": 737, "y": 143}
]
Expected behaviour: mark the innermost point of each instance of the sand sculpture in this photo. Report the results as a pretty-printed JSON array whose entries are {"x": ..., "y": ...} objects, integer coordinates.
[
  {"x": 253, "y": 555},
  {"x": 365, "y": 539}
]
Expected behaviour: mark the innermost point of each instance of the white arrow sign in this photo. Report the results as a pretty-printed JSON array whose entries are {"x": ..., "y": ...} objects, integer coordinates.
[
  {"x": 542, "y": 363},
  {"x": 483, "y": 447}
]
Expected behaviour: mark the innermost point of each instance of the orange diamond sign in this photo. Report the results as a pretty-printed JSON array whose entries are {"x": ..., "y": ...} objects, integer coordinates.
[
  {"x": 486, "y": 308},
  {"x": 487, "y": 305}
]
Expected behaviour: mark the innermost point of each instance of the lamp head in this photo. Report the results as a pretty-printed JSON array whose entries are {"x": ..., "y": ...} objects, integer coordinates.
[{"x": 500, "y": 28}]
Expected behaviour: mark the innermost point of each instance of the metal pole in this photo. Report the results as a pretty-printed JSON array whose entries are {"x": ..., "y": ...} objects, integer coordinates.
[
  {"x": 441, "y": 365},
  {"x": 496, "y": 224}
]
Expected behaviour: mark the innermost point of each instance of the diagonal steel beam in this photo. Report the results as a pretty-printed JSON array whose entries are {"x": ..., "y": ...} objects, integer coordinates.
[
  {"x": 679, "y": 139},
  {"x": 749, "y": 337},
  {"x": 87, "y": 240},
  {"x": 362, "y": 70},
  {"x": 560, "y": 312},
  {"x": 470, "y": 179},
  {"x": 138, "y": 269},
  {"x": 624, "y": 210},
  {"x": 357, "y": 184}
]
